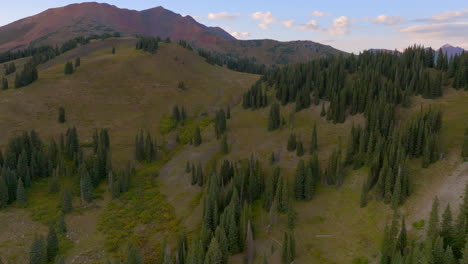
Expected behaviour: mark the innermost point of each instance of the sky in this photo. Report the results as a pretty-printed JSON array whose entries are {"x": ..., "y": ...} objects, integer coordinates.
[{"x": 351, "y": 26}]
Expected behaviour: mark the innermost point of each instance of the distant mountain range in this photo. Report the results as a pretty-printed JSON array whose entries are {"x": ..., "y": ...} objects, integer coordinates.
[
  {"x": 447, "y": 48},
  {"x": 56, "y": 25},
  {"x": 451, "y": 50}
]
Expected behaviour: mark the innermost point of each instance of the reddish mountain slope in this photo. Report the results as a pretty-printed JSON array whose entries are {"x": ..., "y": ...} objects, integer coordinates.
[{"x": 58, "y": 24}]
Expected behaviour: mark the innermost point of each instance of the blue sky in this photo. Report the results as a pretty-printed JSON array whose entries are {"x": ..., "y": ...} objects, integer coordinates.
[{"x": 347, "y": 25}]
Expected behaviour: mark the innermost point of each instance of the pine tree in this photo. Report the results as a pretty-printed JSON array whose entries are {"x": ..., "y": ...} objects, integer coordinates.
[
  {"x": 4, "y": 195},
  {"x": 299, "y": 149},
  {"x": 299, "y": 182},
  {"x": 67, "y": 201},
  {"x": 397, "y": 192},
  {"x": 197, "y": 139},
  {"x": 291, "y": 142},
  {"x": 38, "y": 252},
  {"x": 313, "y": 140},
  {"x": 274, "y": 119},
  {"x": 433, "y": 225},
  {"x": 86, "y": 186},
  {"x": 288, "y": 252},
  {"x": 446, "y": 228},
  {"x": 20, "y": 193},
  {"x": 113, "y": 50},
  {"x": 68, "y": 68},
  {"x": 402, "y": 238},
  {"x": 214, "y": 254},
  {"x": 61, "y": 115},
  {"x": 291, "y": 218},
  {"x": 77, "y": 62},
  {"x": 52, "y": 244}
]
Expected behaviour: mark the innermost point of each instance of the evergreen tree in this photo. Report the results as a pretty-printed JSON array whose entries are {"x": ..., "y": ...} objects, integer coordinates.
[
  {"x": 228, "y": 112},
  {"x": 288, "y": 252},
  {"x": 20, "y": 193},
  {"x": 291, "y": 218},
  {"x": 38, "y": 251},
  {"x": 214, "y": 254},
  {"x": 113, "y": 50},
  {"x": 197, "y": 139},
  {"x": 299, "y": 149},
  {"x": 77, "y": 62},
  {"x": 54, "y": 183},
  {"x": 68, "y": 68},
  {"x": 67, "y": 201},
  {"x": 299, "y": 182},
  {"x": 446, "y": 229},
  {"x": 402, "y": 238},
  {"x": 291, "y": 142},
  {"x": 433, "y": 225},
  {"x": 313, "y": 140},
  {"x": 274, "y": 119},
  {"x": 61, "y": 115},
  {"x": 4, "y": 194},
  {"x": 52, "y": 244},
  {"x": 86, "y": 186}
]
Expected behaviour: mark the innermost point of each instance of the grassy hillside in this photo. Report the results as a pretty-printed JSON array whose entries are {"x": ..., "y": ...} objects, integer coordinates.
[{"x": 132, "y": 89}]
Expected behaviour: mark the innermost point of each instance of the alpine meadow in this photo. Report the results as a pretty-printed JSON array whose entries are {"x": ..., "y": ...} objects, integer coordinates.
[{"x": 136, "y": 135}]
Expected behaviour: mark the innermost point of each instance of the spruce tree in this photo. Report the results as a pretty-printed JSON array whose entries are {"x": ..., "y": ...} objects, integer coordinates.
[
  {"x": 52, "y": 244},
  {"x": 38, "y": 251},
  {"x": 299, "y": 182},
  {"x": 67, "y": 201},
  {"x": 214, "y": 254},
  {"x": 274, "y": 119},
  {"x": 86, "y": 186},
  {"x": 77, "y": 62},
  {"x": 291, "y": 142},
  {"x": 197, "y": 139},
  {"x": 322, "y": 112},
  {"x": 68, "y": 68},
  {"x": 4, "y": 194},
  {"x": 299, "y": 149},
  {"x": 288, "y": 251},
  {"x": 433, "y": 225},
  {"x": 313, "y": 140},
  {"x": 446, "y": 228},
  {"x": 113, "y": 50},
  {"x": 61, "y": 115}
]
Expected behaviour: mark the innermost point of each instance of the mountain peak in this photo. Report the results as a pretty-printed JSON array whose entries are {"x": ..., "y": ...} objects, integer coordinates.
[{"x": 55, "y": 25}]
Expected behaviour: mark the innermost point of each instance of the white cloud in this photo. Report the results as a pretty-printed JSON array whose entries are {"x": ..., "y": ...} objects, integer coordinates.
[
  {"x": 388, "y": 20},
  {"x": 450, "y": 15},
  {"x": 288, "y": 23},
  {"x": 240, "y": 35},
  {"x": 440, "y": 31},
  {"x": 340, "y": 26},
  {"x": 317, "y": 13},
  {"x": 223, "y": 16},
  {"x": 266, "y": 18},
  {"x": 311, "y": 25}
]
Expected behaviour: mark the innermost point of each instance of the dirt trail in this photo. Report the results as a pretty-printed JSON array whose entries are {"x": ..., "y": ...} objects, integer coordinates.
[{"x": 450, "y": 191}]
